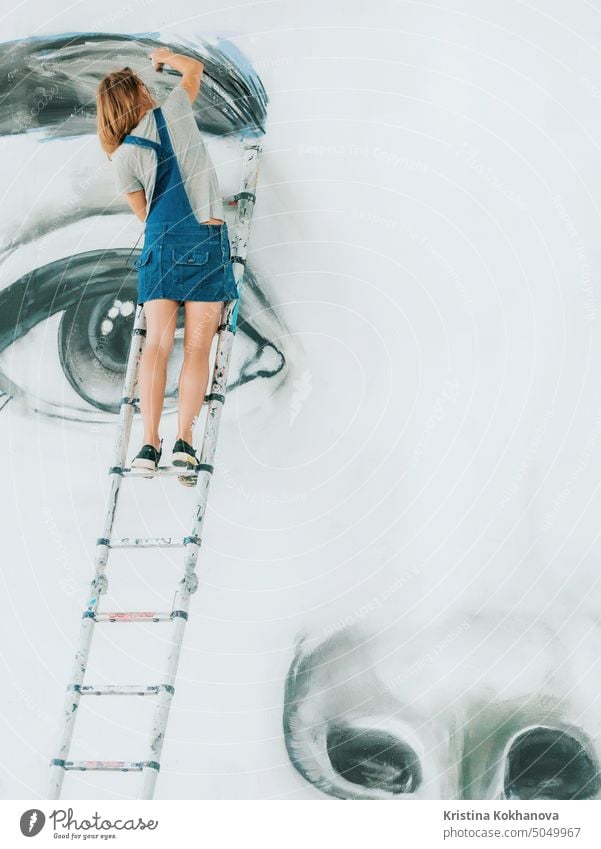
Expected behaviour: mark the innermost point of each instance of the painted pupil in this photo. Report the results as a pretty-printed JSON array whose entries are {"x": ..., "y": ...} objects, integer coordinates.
[{"x": 93, "y": 342}]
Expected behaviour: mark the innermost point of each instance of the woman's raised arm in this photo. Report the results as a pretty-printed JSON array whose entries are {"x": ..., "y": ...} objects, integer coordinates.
[{"x": 190, "y": 69}]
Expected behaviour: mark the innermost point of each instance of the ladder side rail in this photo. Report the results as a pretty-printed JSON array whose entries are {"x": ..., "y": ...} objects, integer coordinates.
[
  {"x": 126, "y": 417},
  {"x": 73, "y": 695}
]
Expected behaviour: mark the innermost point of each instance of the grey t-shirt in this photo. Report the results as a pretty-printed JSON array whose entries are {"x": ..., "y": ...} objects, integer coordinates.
[{"x": 135, "y": 166}]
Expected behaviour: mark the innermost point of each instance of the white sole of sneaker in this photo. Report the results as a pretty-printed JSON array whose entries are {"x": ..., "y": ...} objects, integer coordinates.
[
  {"x": 147, "y": 467},
  {"x": 182, "y": 459}
]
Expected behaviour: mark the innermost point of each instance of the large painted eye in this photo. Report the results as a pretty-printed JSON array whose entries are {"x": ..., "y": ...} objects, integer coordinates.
[
  {"x": 548, "y": 763},
  {"x": 65, "y": 332}
]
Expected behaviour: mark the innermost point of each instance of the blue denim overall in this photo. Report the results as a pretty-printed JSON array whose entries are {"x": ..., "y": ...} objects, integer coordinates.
[{"x": 181, "y": 259}]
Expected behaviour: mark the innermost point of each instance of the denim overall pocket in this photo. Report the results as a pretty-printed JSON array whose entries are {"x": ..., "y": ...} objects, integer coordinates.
[
  {"x": 143, "y": 266},
  {"x": 189, "y": 268}
]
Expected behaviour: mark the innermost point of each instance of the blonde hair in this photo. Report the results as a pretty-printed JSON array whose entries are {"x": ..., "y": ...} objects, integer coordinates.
[{"x": 121, "y": 101}]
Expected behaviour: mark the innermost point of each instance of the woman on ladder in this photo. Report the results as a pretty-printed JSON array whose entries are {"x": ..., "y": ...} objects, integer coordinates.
[{"x": 165, "y": 172}]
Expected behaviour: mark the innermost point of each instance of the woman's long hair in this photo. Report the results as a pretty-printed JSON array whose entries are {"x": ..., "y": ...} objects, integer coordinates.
[{"x": 121, "y": 100}]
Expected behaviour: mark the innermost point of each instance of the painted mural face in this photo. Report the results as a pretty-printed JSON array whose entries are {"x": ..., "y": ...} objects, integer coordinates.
[{"x": 378, "y": 703}]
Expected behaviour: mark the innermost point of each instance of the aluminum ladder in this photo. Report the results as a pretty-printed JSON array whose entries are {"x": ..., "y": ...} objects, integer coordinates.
[{"x": 178, "y": 615}]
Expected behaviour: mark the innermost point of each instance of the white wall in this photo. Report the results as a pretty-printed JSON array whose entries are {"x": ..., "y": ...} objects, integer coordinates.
[{"x": 428, "y": 229}]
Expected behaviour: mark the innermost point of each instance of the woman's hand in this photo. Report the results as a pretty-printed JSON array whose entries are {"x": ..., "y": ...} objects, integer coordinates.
[
  {"x": 160, "y": 56},
  {"x": 190, "y": 69}
]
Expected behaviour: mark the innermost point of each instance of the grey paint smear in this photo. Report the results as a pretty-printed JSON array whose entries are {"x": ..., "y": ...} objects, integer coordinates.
[
  {"x": 36, "y": 228},
  {"x": 48, "y": 83}
]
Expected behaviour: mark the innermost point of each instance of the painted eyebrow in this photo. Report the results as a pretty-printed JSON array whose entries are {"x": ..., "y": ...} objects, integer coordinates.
[
  {"x": 231, "y": 99},
  {"x": 46, "y": 84},
  {"x": 40, "y": 227}
]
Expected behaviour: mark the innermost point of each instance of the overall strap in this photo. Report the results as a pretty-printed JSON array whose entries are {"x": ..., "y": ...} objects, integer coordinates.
[
  {"x": 140, "y": 140},
  {"x": 169, "y": 199},
  {"x": 162, "y": 128}
]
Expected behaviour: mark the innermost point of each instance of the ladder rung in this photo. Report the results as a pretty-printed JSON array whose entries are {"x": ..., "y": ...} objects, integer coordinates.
[
  {"x": 148, "y": 542},
  {"x": 162, "y": 470},
  {"x": 121, "y": 689},
  {"x": 136, "y": 616},
  {"x": 107, "y": 766}
]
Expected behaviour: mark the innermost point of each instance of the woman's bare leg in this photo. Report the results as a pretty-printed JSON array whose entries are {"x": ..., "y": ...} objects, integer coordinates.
[
  {"x": 161, "y": 321},
  {"x": 201, "y": 323}
]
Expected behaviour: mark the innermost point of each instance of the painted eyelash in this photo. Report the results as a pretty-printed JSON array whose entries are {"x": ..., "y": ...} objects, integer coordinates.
[{"x": 4, "y": 399}]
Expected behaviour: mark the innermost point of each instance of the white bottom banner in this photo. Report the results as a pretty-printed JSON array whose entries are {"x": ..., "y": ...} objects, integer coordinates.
[{"x": 301, "y": 824}]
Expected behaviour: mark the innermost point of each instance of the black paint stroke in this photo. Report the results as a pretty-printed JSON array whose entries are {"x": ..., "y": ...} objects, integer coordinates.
[{"x": 49, "y": 82}]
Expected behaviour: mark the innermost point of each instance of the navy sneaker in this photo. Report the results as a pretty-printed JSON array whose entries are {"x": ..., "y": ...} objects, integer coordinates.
[
  {"x": 184, "y": 455},
  {"x": 148, "y": 459}
]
